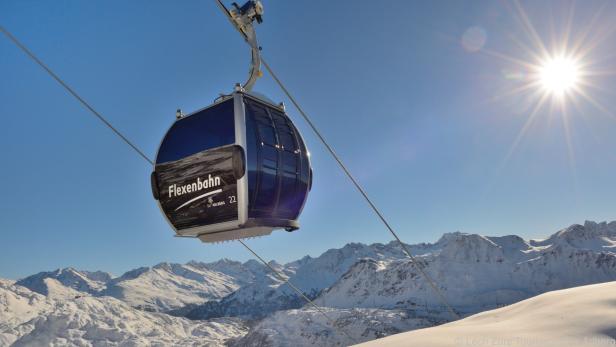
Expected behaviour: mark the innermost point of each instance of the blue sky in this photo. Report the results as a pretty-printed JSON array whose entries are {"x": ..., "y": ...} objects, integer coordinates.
[{"x": 422, "y": 115}]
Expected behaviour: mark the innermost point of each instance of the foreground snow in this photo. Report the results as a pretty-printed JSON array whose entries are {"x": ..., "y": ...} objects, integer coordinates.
[
  {"x": 66, "y": 317},
  {"x": 577, "y": 317}
]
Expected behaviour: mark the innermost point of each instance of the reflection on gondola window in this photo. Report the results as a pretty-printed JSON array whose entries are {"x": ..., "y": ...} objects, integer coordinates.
[{"x": 206, "y": 129}]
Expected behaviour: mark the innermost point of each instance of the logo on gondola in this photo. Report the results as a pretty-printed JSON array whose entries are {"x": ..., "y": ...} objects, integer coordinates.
[
  {"x": 210, "y": 182},
  {"x": 198, "y": 185}
]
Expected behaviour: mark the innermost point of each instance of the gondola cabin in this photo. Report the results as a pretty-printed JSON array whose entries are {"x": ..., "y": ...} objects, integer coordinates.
[{"x": 238, "y": 168}]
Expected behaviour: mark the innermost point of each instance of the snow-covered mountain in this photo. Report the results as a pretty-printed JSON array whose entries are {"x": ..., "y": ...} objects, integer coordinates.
[
  {"x": 591, "y": 236},
  {"x": 163, "y": 287},
  {"x": 243, "y": 273},
  {"x": 83, "y": 281},
  {"x": 169, "y": 286},
  {"x": 476, "y": 272},
  {"x": 269, "y": 294},
  {"x": 369, "y": 290},
  {"x": 66, "y": 317},
  {"x": 581, "y": 317}
]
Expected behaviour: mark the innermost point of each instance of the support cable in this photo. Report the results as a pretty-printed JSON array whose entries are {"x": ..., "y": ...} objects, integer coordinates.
[
  {"x": 73, "y": 93},
  {"x": 361, "y": 190}
]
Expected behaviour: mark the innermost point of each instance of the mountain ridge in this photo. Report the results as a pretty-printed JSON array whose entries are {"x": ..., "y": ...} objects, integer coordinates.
[{"x": 357, "y": 283}]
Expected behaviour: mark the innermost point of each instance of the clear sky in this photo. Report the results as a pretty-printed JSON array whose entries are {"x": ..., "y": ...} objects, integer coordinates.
[{"x": 423, "y": 100}]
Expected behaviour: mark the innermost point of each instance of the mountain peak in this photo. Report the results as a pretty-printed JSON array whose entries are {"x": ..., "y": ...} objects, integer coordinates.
[
  {"x": 464, "y": 247},
  {"x": 590, "y": 236},
  {"x": 69, "y": 277}
]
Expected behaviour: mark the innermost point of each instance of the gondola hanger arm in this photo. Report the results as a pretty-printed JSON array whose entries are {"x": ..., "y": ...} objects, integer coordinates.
[{"x": 242, "y": 18}]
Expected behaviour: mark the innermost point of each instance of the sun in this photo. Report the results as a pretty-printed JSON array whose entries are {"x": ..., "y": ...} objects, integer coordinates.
[
  {"x": 556, "y": 75},
  {"x": 559, "y": 75}
]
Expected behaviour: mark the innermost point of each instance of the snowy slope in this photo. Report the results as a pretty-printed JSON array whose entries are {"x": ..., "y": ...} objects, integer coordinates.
[
  {"x": 69, "y": 317},
  {"x": 267, "y": 294},
  {"x": 168, "y": 286},
  {"x": 577, "y": 317},
  {"x": 253, "y": 301},
  {"x": 18, "y": 305},
  {"x": 308, "y": 327},
  {"x": 242, "y": 273},
  {"x": 318, "y": 273}
]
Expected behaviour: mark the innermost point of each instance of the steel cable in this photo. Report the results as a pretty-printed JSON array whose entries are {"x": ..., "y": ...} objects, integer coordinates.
[
  {"x": 329, "y": 148},
  {"x": 73, "y": 93},
  {"x": 361, "y": 190}
]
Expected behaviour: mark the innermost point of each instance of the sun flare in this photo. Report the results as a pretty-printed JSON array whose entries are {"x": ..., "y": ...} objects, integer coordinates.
[
  {"x": 556, "y": 74},
  {"x": 559, "y": 75}
]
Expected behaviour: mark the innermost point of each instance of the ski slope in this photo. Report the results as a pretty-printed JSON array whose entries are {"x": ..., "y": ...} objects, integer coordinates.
[{"x": 576, "y": 317}]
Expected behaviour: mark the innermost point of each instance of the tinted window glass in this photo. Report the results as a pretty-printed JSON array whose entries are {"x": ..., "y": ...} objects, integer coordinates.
[
  {"x": 289, "y": 162},
  {"x": 288, "y": 202},
  {"x": 287, "y": 141},
  {"x": 278, "y": 167},
  {"x": 269, "y": 157},
  {"x": 278, "y": 118},
  {"x": 207, "y": 129},
  {"x": 266, "y": 196},
  {"x": 268, "y": 135},
  {"x": 258, "y": 112}
]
